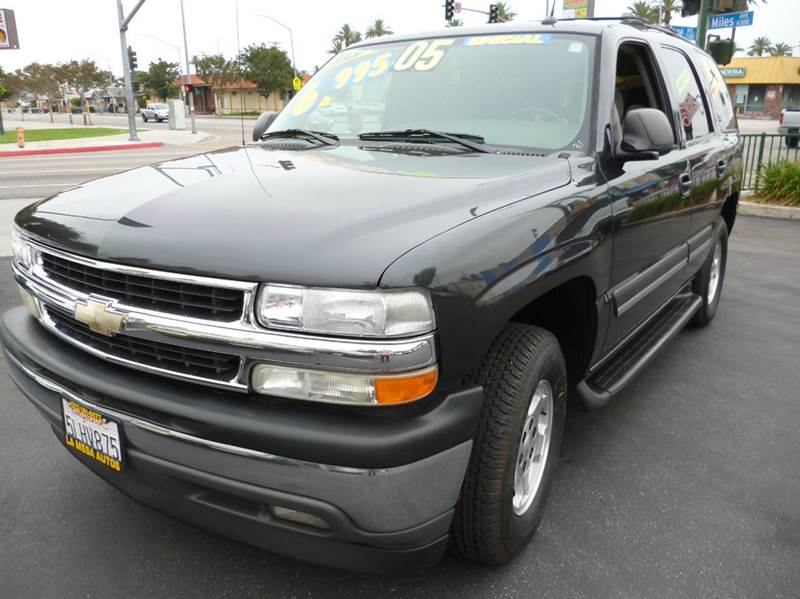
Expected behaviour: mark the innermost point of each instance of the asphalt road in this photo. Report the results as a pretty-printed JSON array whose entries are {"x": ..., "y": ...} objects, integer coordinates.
[
  {"x": 44, "y": 175},
  {"x": 687, "y": 485}
]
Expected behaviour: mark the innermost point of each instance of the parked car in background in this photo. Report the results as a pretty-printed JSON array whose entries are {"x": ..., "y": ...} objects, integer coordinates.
[
  {"x": 157, "y": 112},
  {"x": 352, "y": 342},
  {"x": 789, "y": 125}
]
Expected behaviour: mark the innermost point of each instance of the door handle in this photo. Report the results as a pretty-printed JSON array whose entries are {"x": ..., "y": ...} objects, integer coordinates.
[
  {"x": 721, "y": 166},
  {"x": 685, "y": 182}
]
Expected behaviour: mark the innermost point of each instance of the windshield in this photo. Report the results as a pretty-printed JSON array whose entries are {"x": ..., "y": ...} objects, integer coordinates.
[
  {"x": 159, "y": 106},
  {"x": 527, "y": 89}
]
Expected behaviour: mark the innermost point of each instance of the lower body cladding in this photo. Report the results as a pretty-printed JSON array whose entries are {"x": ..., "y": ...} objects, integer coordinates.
[{"x": 355, "y": 516}]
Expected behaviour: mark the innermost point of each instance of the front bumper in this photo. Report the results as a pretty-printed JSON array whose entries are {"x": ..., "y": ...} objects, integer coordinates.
[{"x": 385, "y": 486}]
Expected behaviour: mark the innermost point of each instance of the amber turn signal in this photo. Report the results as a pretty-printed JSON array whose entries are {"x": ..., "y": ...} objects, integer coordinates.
[{"x": 405, "y": 388}]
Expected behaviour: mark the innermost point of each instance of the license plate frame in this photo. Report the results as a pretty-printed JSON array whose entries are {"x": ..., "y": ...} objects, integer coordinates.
[{"x": 92, "y": 434}]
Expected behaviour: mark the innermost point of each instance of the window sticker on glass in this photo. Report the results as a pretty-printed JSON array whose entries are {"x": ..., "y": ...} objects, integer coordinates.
[
  {"x": 423, "y": 55},
  {"x": 508, "y": 39},
  {"x": 682, "y": 82}
]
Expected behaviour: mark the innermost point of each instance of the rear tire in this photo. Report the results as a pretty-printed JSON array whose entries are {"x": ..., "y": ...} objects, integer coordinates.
[
  {"x": 707, "y": 283},
  {"x": 791, "y": 142},
  {"x": 497, "y": 513}
]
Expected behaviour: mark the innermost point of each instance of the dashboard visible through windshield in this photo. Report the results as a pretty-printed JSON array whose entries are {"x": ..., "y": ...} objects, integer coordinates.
[{"x": 526, "y": 90}]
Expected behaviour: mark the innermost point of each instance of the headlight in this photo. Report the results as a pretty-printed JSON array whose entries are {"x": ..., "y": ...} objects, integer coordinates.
[
  {"x": 20, "y": 249},
  {"x": 343, "y": 388},
  {"x": 377, "y": 313}
]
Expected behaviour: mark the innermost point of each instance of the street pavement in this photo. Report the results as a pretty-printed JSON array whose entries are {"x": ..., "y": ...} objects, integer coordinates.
[
  {"x": 685, "y": 486},
  {"x": 41, "y": 176}
]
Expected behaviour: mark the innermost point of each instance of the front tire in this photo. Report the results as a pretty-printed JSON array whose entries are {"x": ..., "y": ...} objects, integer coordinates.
[
  {"x": 515, "y": 451},
  {"x": 707, "y": 283},
  {"x": 144, "y": 117}
]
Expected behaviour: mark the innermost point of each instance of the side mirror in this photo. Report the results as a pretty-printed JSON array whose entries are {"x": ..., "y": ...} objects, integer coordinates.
[
  {"x": 263, "y": 123},
  {"x": 646, "y": 135}
]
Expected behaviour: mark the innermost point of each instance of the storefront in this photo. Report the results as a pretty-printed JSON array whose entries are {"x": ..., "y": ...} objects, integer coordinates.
[{"x": 762, "y": 85}]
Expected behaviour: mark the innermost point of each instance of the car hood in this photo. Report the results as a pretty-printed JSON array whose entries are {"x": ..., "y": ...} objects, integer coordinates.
[{"x": 332, "y": 216}]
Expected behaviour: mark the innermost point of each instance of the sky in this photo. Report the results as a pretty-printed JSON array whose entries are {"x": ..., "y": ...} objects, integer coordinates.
[{"x": 57, "y": 31}]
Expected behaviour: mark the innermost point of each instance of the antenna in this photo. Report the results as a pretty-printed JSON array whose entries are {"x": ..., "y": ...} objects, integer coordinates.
[{"x": 241, "y": 87}]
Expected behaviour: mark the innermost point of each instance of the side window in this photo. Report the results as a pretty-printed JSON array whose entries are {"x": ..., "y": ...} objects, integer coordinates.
[
  {"x": 691, "y": 103},
  {"x": 637, "y": 83},
  {"x": 721, "y": 106}
]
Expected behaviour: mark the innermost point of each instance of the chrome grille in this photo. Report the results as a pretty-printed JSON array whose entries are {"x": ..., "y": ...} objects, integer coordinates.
[
  {"x": 174, "y": 358},
  {"x": 172, "y": 297}
]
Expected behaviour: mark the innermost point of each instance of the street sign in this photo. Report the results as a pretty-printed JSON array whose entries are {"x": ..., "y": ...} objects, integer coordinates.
[
  {"x": 731, "y": 19},
  {"x": 731, "y": 72},
  {"x": 8, "y": 30},
  {"x": 578, "y": 9},
  {"x": 297, "y": 83},
  {"x": 690, "y": 33}
]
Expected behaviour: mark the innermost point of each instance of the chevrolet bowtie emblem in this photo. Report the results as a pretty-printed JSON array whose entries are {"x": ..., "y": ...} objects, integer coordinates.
[{"x": 100, "y": 317}]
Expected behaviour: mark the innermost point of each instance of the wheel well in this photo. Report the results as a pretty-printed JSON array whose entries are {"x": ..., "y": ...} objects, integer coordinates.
[
  {"x": 568, "y": 311},
  {"x": 729, "y": 210}
]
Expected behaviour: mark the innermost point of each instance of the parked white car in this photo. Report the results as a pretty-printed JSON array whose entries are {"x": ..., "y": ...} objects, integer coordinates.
[
  {"x": 157, "y": 112},
  {"x": 789, "y": 125}
]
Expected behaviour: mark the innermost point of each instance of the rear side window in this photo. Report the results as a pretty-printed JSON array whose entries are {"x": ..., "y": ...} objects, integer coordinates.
[
  {"x": 691, "y": 104},
  {"x": 721, "y": 106}
]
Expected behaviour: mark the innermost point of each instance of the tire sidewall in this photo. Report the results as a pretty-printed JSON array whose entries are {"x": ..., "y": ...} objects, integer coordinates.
[
  {"x": 708, "y": 310},
  {"x": 550, "y": 367}
]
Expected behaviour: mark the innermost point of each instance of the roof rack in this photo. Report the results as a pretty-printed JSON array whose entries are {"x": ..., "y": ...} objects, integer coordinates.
[{"x": 624, "y": 20}]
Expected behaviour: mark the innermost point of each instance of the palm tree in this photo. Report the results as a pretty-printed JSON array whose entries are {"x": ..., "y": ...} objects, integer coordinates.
[
  {"x": 759, "y": 46},
  {"x": 347, "y": 35},
  {"x": 455, "y": 23},
  {"x": 504, "y": 12},
  {"x": 780, "y": 49},
  {"x": 642, "y": 9},
  {"x": 337, "y": 47},
  {"x": 378, "y": 29},
  {"x": 667, "y": 8}
]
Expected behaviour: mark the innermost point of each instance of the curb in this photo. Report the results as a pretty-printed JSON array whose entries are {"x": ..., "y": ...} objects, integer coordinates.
[
  {"x": 768, "y": 211},
  {"x": 105, "y": 148}
]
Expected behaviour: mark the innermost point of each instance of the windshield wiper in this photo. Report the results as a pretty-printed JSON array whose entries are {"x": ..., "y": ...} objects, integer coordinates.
[
  {"x": 465, "y": 140},
  {"x": 326, "y": 139}
]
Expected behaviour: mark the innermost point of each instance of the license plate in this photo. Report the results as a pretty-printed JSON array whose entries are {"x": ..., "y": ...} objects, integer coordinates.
[{"x": 92, "y": 434}]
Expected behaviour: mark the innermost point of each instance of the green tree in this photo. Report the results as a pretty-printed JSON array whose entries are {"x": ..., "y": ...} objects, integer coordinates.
[
  {"x": 759, "y": 46},
  {"x": 455, "y": 23},
  {"x": 780, "y": 49},
  {"x": 667, "y": 8},
  {"x": 217, "y": 71},
  {"x": 43, "y": 80},
  {"x": 504, "y": 12},
  {"x": 13, "y": 84},
  {"x": 161, "y": 78},
  {"x": 377, "y": 29},
  {"x": 336, "y": 46},
  {"x": 268, "y": 67},
  {"x": 642, "y": 9},
  {"x": 82, "y": 76},
  {"x": 347, "y": 35}
]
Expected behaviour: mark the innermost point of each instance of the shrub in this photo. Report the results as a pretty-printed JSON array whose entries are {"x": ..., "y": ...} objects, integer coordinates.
[{"x": 779, "y": 183}]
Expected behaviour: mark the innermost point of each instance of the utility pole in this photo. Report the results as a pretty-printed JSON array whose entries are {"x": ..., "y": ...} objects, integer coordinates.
[
  {"x": 188, "y": 71},
  {"x": 702, "y": 24},
  {"x": 126, "y": 68}
]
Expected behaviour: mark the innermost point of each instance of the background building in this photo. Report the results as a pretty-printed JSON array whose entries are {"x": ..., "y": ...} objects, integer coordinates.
[{"x": 762, "y": 85}]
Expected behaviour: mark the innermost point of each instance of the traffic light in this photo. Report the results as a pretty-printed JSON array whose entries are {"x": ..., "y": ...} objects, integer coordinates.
[
  {"x": 690, "y": 7},
  {"x": 494, "y": 17},
  {"x": 449, "y": 9},
  {"x": 132, "y": 63}
]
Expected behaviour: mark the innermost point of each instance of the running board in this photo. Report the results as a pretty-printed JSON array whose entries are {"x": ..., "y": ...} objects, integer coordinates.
[{"x": 629, "y": 360}]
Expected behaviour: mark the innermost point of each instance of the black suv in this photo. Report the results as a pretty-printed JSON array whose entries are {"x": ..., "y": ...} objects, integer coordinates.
[{"x": 352, "y": 342}]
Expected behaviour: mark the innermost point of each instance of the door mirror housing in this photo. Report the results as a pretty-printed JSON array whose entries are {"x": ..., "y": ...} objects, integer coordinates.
[
  {"x": 262, "y": 124},
  {"x": 646, "y": 135}
]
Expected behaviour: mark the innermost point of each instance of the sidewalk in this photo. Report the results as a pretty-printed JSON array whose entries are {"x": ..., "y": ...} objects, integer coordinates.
[{"x": 149, "y": 138}]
